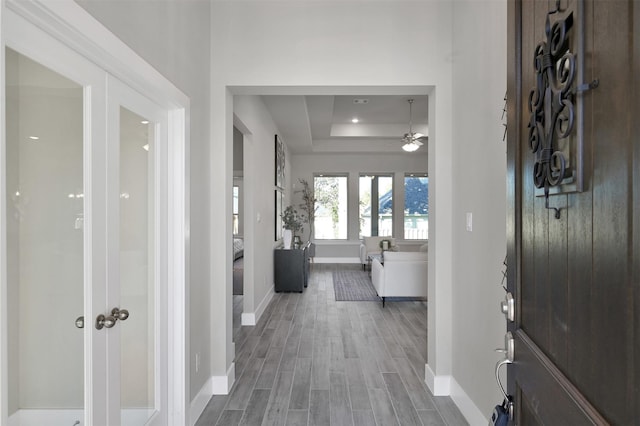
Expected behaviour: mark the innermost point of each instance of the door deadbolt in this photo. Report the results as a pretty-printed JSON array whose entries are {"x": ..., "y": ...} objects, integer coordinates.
[
  {"x": 508, "y": 307},
  {"x": 509, "y": 346}
]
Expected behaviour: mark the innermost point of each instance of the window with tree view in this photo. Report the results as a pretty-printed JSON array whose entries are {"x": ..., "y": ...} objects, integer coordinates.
[
  {"x": 331, "y": 207},
  {"x": 376, "y": 205},
  {"x": 416, "y": 207}
]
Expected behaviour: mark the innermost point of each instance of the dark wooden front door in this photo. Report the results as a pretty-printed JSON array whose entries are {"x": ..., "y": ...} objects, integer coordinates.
[{"x": 576, "y": 278}]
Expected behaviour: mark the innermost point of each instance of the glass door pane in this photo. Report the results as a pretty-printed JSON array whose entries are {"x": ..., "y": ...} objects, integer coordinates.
[
  {"x": 137, "y": 278},
  {"x": 45, "y": 256}
]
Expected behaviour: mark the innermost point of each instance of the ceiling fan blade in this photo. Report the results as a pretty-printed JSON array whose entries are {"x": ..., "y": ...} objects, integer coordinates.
[{"x": 417, "y": 142}]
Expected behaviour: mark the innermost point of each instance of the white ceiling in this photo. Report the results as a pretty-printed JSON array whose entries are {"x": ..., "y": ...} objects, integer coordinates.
[{"x": 323, "y": 124}]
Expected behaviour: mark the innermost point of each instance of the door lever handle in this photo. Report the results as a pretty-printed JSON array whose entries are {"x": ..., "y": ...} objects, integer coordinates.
[{"x": 508, "y": 350}]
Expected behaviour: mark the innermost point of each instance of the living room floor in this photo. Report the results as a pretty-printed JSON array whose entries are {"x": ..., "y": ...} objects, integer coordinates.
[{"x": 313, "y": 361}]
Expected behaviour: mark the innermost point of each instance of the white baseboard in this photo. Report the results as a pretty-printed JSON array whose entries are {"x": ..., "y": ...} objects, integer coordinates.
[
  {"x": 469, "y": 410},
  {"x": 248, "y": 318},
  {"x": 438, "y": 385},
  {"x": 221, "y": 385},
  {"x": 199, "y": 403},
  {"x": 252, "y": 318},
  {"x": 216, "y": 385},
  {"x": 448, "y": 386},
  {"x": 336, "y": 260}
]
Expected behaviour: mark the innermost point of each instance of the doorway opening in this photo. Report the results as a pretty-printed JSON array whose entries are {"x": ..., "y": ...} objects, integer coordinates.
[{"x": 254, "y": 190}]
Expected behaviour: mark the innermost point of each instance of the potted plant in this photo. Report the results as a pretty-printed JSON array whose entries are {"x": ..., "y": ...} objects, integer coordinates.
[
  {"x": 308, "y": 206},
  {"x": 292, "y": 223}
]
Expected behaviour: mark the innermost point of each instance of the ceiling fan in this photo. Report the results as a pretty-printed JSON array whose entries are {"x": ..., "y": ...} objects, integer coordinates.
[{"x": 412, "y": 141}]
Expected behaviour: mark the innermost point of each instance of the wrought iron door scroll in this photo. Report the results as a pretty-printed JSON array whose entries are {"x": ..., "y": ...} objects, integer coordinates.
[{"x": 552, "y": 104}]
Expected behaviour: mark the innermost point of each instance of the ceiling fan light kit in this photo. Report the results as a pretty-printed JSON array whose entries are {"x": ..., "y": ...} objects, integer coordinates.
[
  {"x": 412, "y": 141},
  {"x": 410, "y": 147}
]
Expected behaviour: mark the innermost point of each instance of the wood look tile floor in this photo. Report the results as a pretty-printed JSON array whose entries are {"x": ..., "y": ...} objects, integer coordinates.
[{"x": 313, "y": 361}]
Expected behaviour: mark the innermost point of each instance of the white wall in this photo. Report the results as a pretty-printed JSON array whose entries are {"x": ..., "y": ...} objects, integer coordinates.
[
  {"x": 479, "y": 187},
  {"x": 304, "y": 167},
  {"x": 174, "y": 37}
]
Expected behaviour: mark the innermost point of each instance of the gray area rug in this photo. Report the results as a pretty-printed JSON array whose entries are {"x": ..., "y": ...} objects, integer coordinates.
[{"x": 353, "y": 286}]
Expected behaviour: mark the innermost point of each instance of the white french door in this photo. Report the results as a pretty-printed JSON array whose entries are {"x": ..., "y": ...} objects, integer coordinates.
[
  {"x": 136, "y": 206},
  {"x": 84, "y": 241}
]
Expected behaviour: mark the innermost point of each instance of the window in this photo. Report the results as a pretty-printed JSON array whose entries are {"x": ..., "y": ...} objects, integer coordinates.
[
  {"x": 416, "y": 207},
  {"x": 376, "y": 205},
  {"x": 331, "y": 207},
  {"x": 236, "y": 217}
]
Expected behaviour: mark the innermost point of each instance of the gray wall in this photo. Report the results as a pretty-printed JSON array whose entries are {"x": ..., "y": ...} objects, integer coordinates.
[{"x": 479, "y": 187}]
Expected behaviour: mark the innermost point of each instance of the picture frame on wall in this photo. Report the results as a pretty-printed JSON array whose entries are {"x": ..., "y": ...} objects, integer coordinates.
[
  {"x": 279, "y": 162},
  {"x": 278, "y": 214}
]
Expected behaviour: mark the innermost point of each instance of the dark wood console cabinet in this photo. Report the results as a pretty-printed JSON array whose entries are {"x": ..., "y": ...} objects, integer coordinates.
[{"x": 291, "y": 269}]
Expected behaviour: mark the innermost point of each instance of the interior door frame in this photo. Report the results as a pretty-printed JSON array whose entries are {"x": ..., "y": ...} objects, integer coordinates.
[{"x": 67, "y": 22}]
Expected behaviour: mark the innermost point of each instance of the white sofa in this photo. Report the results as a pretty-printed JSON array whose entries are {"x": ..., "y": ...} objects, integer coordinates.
[
  {"x": 371, "y": 245},
  {"x": 404, "y": 274}
]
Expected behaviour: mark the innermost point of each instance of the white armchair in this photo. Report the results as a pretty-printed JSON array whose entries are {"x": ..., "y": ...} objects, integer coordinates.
[
  {"x": 404, "y": 274},
  {"x": 371, "y": 245}
]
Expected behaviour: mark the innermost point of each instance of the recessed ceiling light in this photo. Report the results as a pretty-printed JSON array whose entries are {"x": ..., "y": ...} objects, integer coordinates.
[
  {"x": 145, "y": 147},
  {"x": 354, "y": 120},
  {"x": 145, "y": 122},
  {"x": 34, "y": 138}
]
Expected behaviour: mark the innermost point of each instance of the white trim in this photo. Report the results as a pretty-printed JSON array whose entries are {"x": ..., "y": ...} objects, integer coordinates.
[
  {"x": 355, "y": 260},
  {"x": 39, "y": 417},
  {"x": 80, "y": 31},
  {"x": 179, "y": 342},
  {"x": 4, "y": 329},
  {"x": 264, "y": 303},
  {"x": 438, "y": 385},
  {"x": 252, "y": 318},
  {"x": 248, "y": 319},
  {"x": 216, "y": 385},
  {"x": 199, "y": 403},
  {"x": 466, "y": 406},
  {"x": 221, "y": 385}
]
